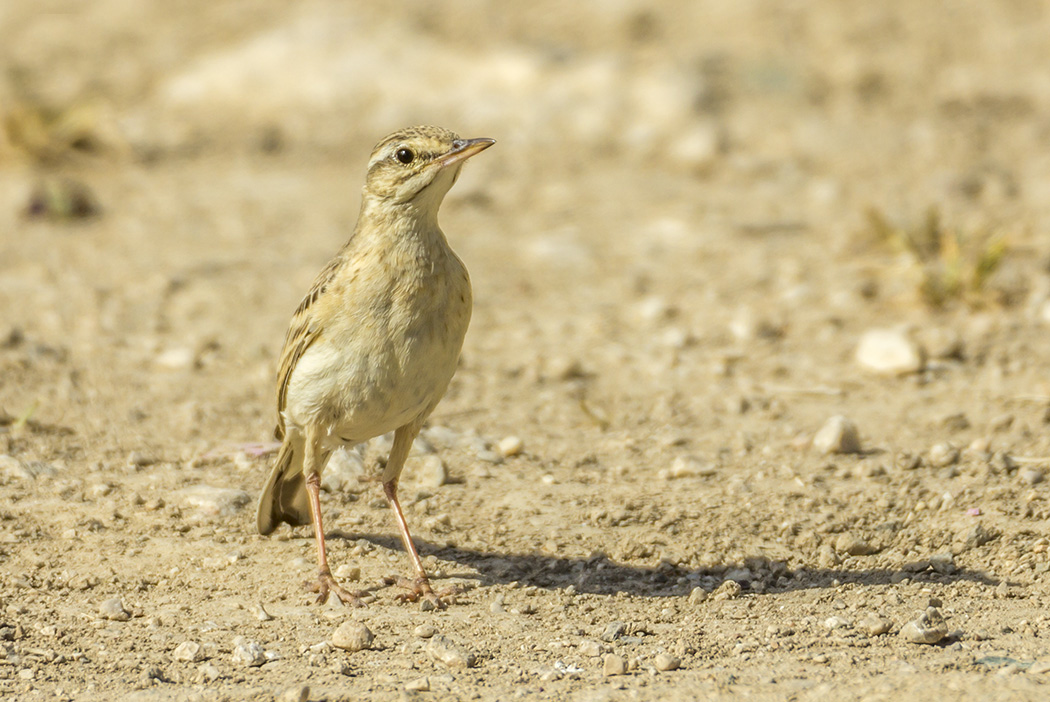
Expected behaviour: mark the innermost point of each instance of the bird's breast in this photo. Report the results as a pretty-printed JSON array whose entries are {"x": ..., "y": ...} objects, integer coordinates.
[{"x": 387, "y": 357}]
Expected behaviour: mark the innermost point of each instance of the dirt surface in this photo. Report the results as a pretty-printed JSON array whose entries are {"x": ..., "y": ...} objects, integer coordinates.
[{"x": 681, "y": 238}]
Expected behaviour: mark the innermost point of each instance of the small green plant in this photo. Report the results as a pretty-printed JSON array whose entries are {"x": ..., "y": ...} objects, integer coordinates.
[{"x": 955, "y": 265}]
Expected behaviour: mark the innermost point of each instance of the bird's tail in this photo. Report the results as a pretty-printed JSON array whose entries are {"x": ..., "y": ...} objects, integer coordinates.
[{"x": 284, "y": 499}]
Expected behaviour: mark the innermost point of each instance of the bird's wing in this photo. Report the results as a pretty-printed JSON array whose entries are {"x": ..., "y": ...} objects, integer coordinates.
[{"x": 302, "y": 332}]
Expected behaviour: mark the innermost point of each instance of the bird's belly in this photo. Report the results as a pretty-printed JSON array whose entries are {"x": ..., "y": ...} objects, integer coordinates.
[{"x": 370, "y": 383}]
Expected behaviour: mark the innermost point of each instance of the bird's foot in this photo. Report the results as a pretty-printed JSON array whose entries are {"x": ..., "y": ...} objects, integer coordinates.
[
  {"x": 326, "y": 584},
  {"x": 419, "y": 589}
]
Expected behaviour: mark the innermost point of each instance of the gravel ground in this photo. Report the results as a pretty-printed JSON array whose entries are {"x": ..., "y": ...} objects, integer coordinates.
[{"x": 754, "y": 402}]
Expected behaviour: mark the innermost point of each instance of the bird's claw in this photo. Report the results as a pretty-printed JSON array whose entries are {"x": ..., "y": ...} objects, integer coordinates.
[
  {"x": 326, "y": 584},
  {"x": 419, "y": 589}
]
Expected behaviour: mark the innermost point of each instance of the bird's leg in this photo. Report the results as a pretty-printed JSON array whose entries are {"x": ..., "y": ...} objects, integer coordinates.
[
  {"x": 420, "y": 586},
  {"x": 326, "y": 582}
]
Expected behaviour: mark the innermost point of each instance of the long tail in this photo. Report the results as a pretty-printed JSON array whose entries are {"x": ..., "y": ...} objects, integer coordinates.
[{"x": 284, "y": 499}]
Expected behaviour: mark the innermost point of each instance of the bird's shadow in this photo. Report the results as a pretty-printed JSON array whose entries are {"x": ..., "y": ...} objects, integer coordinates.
[{"x": 601, "y": 576}]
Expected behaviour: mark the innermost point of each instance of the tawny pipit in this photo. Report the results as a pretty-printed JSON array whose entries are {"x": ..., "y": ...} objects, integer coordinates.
[{"x": 373, "y": 345}]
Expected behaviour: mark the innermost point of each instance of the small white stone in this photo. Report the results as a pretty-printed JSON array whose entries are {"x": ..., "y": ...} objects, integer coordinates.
[
  {"x": 728, "y": 590},
  {"x": 613, "y": 665},
  {"x": 889, "y": 352},
  {"x": 189, "y": 651},
  {"x": 424, "y": 631},
  {"x": 433, "y": 472},
  {"x": 511, "y": 446},
  {"x": 665, "y": 662},
  {"x": 418, "y": 685},
  {"x": 836, "y": 622},
  {"x": 176, "y": 359},
  {"x": 874, "y": 625},
  {"x": 113, "y": 609},
  {"x": 352, "y": 636},
  {"x": 943, "y": 455},
  {"x": 250, "y": 654},
  {"x": 1032, "y": 476},
  {"x": 348, "y": 573},
  {"x": 838, "y": 435},
  {"x": 345, "y": 471},
  {"x": 441, "y": 650},
  {"x": 590, "y": 648},
  {"x": 215, "y": 501},
  {"x": 687, "y": 467},
  {"x": 929, "y": 628}
]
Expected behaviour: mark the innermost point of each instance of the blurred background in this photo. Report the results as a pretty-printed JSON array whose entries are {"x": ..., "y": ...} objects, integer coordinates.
[{"x": 708, "y": 180}]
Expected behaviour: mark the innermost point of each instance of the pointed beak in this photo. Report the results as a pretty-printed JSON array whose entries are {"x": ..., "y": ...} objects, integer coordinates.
[{"x": 462, "y": 149}]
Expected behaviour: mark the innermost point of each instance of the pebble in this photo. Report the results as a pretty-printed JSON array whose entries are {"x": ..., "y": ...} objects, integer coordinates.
[
  {"x": 344, "y": 472},
  {"x": 349, "y": 573},
  {"x": 889, "y": 352},
  {"x": 728, "y": 590},
  {"x": 177, "y": 358},
  {"x": 838, "y": 435},
  {"x": 978, "y": 535},
  {"x": 666, "y": 662},
  {"x": 613, "y": 631},
  {"x": 1040, "y": 668},
  {"x": 209, "y": 672},
  {"x": 836, "y": 622},
  {"x": 418, "y": 685},
  {"x": 510, "y": 446},
  {"x": 874, "y": 625},
  {"x": 297, "y": 693},
  {"x": 189, "y": 651},
  {"x": 613, "y": 664},
  {"x": 441, "y": 650},
  {"x": 943, "y": 563},
  {"x": 854, "y": 546},
  {"x": 16, "y": 469},
  {"x": 431, "y": 471},
  {"x": 929, "y": 628},
  {"x": 250, "y": 654},
  {"x": 424, "y": 631},
  {"x": 1032, "y": 476},
  {"x": 697, "y": 595},
  {"x": 261, "y": 614},
  {"x": 590, "y": 648},
  {"x": 687, "y": 467},
  {"x": 352, "y": 636},
  {"x": 943, "y": 455},
  {"x": 214, "y": 501},
  {"x": 113, "y": 609}
]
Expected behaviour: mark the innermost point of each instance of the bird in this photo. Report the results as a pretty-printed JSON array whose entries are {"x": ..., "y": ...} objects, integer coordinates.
[{"x": 372, "y": 347}]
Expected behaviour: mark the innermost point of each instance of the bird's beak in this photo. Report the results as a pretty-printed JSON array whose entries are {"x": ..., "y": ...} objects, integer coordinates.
[{"x": 462, "y": 149}]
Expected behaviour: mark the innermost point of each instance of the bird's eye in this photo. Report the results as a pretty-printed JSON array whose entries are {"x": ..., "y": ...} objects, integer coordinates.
[{"x": 404, "y": 155}]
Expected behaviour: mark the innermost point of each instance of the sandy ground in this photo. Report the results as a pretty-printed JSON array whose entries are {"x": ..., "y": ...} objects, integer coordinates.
[{"x": 693, "y": 216}]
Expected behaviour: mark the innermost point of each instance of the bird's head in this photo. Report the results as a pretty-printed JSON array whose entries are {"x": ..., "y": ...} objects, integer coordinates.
[{"x": 418, "y": 165}]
